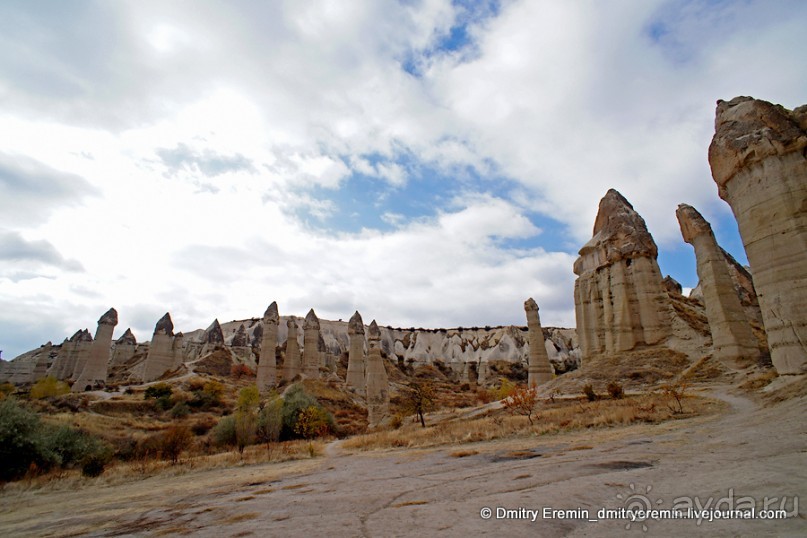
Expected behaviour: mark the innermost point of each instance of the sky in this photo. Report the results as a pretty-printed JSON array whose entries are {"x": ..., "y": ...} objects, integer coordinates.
[{"x": 431, "y": 163}]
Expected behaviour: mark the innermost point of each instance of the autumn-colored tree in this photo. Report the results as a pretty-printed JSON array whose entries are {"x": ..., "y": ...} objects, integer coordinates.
[
  {"x": 418, "y": 400},
  {"x": 522, "y": 401}
]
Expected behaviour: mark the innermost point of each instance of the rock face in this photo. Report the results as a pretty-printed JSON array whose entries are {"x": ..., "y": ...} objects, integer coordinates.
[
  {"x": 65, "y": 361},
  {"x": 538, "y": 369},
  {"x": 240, "y": 337},
  {"x": 267, "y": 366},
  {"x": 758, "y": 161},
  {"x": 41, "y": 365},
  {"x": 356, "y": 360},
  {"x": 291, "y": 365},
  {"x": 94, "y": 373},
  {"x": 620, "y": 303},
  {"x": 311, "y": 354},
  {"x": 376, "y": 381},
  {"x": 671, "y": 285},
  {"x": 124, "y": 349},
  {"x": 734, "y": 343},
  {"x": 161, "y": 353},
  {"x": 80, "y": 354}
]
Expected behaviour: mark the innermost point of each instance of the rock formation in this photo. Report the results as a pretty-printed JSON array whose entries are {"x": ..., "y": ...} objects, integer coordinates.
[
  {"x": 41, "y": 365},
  {"x": 79, "y": 357},
  {"x": 311, "y": 355},
  {"x": 732, "y": 339},
  {"x": 161, "y": 354},
  {"x": 291, "y": 364},
  {"x": 539, "y": 370},
  {"x": 267, "y": 366},
  {"x": 376, "y": 381},
  {"x": 240, "y": 337},
  {"x": 482, "y": 373},
  {"x": 620, "y": 303},
  {"x": 356, "y": 360},
  {"x": 95, "y": 369},
  {"x": 124, "y": 349},
  {"x": 759, "y": 162},
  {"x": 671, "y": 285}
]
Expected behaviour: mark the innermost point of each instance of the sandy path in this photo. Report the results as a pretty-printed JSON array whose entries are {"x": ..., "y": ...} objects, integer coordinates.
[{"x": 749, "y": 451}]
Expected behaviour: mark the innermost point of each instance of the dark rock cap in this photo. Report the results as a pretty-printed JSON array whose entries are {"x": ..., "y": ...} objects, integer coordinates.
[
  {"x": 355, "y": 325},
  {"x": 311, "y": 320},
  {"x": 271, "y": 314},
  {"x": 127, "y": 339},
  {"x": 213, "y": 334},
  {"x": 110, "y": 318},
  {"x": 165, "y": 325}
]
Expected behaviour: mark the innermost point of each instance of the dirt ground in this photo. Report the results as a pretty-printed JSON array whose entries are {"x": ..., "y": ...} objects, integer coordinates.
[{"x": 746, "y": 454}]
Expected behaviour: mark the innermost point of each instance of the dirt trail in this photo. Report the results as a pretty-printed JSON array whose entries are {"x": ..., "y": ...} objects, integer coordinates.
[{"x": 747, "y": 451}]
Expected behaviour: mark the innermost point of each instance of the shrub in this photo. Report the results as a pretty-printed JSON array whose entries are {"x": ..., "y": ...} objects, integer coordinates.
[
  {"x": 615, "y": 390},
  {"x": 202, "y": 426},
  {"x": 675, "y": 390},
  {"x": 312, "y": 422},
  {"x": 25, "y": 443},
  {"x": 589, "y": 393},
  {"x": 159, "y": 390},
  {"x": 180, "y": 410},
  {"x": 47, "y": 387},
  {"x": 295, "y": 401},
  {"x": 241, "y": 370},
  {"x": 174, "y": 441},
  {"x": 20, "y": 444},
  {"x": 270, "y": 421},
  {"x": 6, "y": 389},
  {"x": 223, "y": 433},
  {"x": 164, "y": 403},
  {"x": 522, "y": 401},
  {"x": 206, "y": 395},
  {"x": 504, "y": 390}
]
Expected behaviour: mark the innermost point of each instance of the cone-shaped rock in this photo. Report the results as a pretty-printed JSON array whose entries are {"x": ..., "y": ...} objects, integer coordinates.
[
  {"x": 539, "y": 370},
  {"x": 160, "y": 357},
  {"x": 376, "y": 381},
  {"x": 619, "y": 300},
  {"x": 214, "y": 334},
  {"x": 758, "y": 157},
  {"x": 82, "y": 352},
  {"x": 94, "y": 373},
  {"x": 240, "y": 337},
  {"x": 267, "y": 366},
  {"x": 732, "y": 339},
  {"x": 311, "y": 356},
  {"x": 356, "y": 359}
]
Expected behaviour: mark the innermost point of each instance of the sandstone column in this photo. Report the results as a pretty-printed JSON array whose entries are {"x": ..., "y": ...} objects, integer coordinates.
[
  {"x": 619, "y": 299},
  {"x": 80, "y": 354},
  {"x": 356, "y": 360},
  {"x": 95, "y": 369},
  {"x": 759, "y": 163},
  {"x": 267, "y": 366},
  {"x": 291, "y": 365},
  {"x": 311, "y": 345},
  {"x": 733, "y": 341},
  {"x": 376, "y": 381},
  {"x": 160, "y": 357},
  {"x": 539, "y": 370}
]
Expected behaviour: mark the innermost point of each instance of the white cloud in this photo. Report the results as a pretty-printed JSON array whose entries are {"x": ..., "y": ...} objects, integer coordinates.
[{"x": 191, "y": 151}]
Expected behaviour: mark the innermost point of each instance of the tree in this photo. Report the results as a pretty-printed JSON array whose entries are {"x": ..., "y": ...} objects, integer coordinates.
[
  {"x": 47, "y": 387},
  {"x": 270, "y": 421},
  {"x": 419, "y": 400},
  {"x": 522, "y": 401},
  {"x": 246, "y": 417}
]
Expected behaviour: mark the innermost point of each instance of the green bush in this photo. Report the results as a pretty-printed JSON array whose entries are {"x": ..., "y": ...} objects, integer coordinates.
[
  {"x": 20, "y": 441},
  {"x": 180, "y": 410},
  {"x": 223, "y": 433},
  {"x": 24, "y": 441},
  {"x": 270, "y": 421},
  {"x": 6, "y": 389},
  {"x": 294, "y": 403},
  {"x": 159, "y": 390}
]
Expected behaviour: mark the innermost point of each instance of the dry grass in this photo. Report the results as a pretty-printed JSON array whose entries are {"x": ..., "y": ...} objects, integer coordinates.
[
  {"x": 793, "y": 387},
  {"x": 551, "y": 418},
  {"x": 122, "y": 472},
  {"x": 640, "y": 369},
  {"x": 463, "y": 453},
  {"x": 759, "y": 380}
]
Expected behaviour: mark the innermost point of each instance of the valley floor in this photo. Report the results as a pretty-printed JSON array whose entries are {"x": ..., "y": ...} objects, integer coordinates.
[{"x": 747, "y": 451}]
